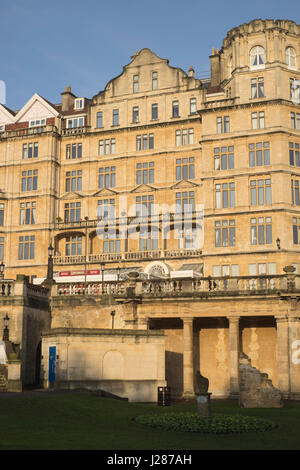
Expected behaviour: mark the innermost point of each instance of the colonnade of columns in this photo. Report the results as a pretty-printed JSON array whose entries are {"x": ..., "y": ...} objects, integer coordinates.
[{"x": 288, "y": 362}]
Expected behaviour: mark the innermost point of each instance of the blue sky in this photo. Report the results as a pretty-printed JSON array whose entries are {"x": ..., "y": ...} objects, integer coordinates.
[{"x": 49, "y": 45}]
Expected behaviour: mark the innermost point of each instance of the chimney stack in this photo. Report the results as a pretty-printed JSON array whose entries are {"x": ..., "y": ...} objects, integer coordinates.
[
  {"x": 67, "y": 99},
  {"x": 191, "y": 72},
  {"x": 215, "y": 72}
]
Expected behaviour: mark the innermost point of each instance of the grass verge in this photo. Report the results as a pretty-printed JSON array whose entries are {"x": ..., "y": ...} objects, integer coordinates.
[{"x": 81, "y": 421}]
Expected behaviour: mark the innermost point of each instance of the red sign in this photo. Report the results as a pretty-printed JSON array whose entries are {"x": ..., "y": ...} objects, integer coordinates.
[{"x": 89, "y": 272}]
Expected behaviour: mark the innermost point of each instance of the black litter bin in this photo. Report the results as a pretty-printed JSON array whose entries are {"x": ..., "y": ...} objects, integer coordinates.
[{"x": 163, "y": 396}]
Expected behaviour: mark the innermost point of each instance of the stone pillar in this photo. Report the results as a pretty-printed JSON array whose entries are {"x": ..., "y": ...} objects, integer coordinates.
[
  {"x": 234, "y": 351},
  {"x": 188, "y": 363},
  {"x": 283, "y": 361}
]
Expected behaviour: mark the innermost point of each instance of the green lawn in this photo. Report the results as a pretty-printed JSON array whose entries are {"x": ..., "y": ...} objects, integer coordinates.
[{"x": 50, "y": 421}]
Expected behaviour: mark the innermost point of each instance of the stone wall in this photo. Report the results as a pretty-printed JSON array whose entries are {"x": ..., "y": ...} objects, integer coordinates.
[{"x": 129, "y": 363}]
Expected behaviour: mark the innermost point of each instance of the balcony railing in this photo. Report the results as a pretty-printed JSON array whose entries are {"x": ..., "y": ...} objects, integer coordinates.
[
  {"x": 206, "y": 286},
  {"x": 91, "y": 288},
  {"x": 29, "y": 131},
  {"x": 6, "y": 288},
  {"x": 74, "y": 131},
  {"x": 172, "y": 217},
  {"x": 126, "y": 256},
  {"x": 216, "y": 285}
]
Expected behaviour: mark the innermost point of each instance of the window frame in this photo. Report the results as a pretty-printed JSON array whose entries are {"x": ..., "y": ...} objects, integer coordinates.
[
  {"x": 175, "y": 109},
  {"x": 288, "y": 56},
  {"x": 259, "y": 53},
  {"x": 154, "y": 80},
  {"x": 260, "y": 192},
  {"x": 116, "y": 118},
  {"x": 106, "y": 177}
]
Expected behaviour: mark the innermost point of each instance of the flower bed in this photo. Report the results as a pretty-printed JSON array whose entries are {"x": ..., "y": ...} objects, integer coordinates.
[{"x": 217, "y": 424}]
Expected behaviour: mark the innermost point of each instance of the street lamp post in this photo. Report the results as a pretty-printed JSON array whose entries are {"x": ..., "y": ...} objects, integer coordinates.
[
  {"x": 112, "y": 318},
  {"x": 6, "y": 330},
  {"x": 118, "y": 278},
  {"x": 50, "y": 262},
  {"x": 85, "y": 258},
  {"x": 102, "y": 264},
  {"x": 2, "y": 266}
]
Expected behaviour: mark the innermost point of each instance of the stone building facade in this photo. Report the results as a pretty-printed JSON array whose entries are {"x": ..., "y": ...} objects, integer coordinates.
[{"x": 181, "y": 180}]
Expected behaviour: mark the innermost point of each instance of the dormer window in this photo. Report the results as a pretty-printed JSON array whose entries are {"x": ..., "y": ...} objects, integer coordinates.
[
  {"x": 79, "y": 103},
  {"x": 290, "y": 57},
  {"x": 257, "y": 57}
]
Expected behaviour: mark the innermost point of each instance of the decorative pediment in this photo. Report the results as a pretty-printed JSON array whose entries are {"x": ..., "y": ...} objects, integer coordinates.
[
  {"x": 37, "y": 107},
  {"x": 72, "y": 195},
  {"x": 105, "y": 192},
  {"x": 182, "y": 184},
  {"x": 143, "y": 188}
]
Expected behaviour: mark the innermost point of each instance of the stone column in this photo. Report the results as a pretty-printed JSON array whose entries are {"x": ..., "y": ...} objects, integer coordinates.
[
  {"x": 188, "y": 365},
  {"x": 234, "y": 351},
  {"x": 283, "y": 361}
]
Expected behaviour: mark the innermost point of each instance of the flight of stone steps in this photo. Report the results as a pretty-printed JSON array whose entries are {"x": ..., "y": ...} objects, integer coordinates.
[
  {"x": 256, "y": 389},
  {"x": 3, "y": 380}
]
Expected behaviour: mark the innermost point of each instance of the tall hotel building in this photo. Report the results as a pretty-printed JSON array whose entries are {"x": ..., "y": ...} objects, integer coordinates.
[{"x": 158, "y": 144}]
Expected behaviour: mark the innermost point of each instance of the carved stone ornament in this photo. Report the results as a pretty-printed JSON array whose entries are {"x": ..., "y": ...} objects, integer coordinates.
[{"x": 202, "y": 383}]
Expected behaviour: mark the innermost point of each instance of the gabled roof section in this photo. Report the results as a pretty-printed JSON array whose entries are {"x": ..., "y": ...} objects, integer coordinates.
[
  {"x": 143, "y": 60},
  {"x": 145, "y": 56},
  {"x": 6, "y": 115},
  {"x": 36, "y": 107}
]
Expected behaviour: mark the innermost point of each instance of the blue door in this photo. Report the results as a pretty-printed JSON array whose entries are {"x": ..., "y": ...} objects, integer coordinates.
[{"x": 52, "y": 357}]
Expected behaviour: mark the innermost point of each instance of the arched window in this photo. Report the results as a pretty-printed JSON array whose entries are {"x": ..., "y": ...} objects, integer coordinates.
[
  {"x": 290, "y": 57},
  {"x": 257, "y": 57}
]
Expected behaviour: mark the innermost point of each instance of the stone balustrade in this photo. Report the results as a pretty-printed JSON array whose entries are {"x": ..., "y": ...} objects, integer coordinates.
[
  {"x": 91, "y": 288},
  {"x": 7, "y": 288},
  {"x": 74, "y": 131},
  {"x": 213, "y": 286},
  {"x": 217, "y": 286},
  {"x": 126, "y": 256},
  {"x": 37, "y": 290},
  {"x": 22, "y": 287},
  {"x": 28, "y": 131}
]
